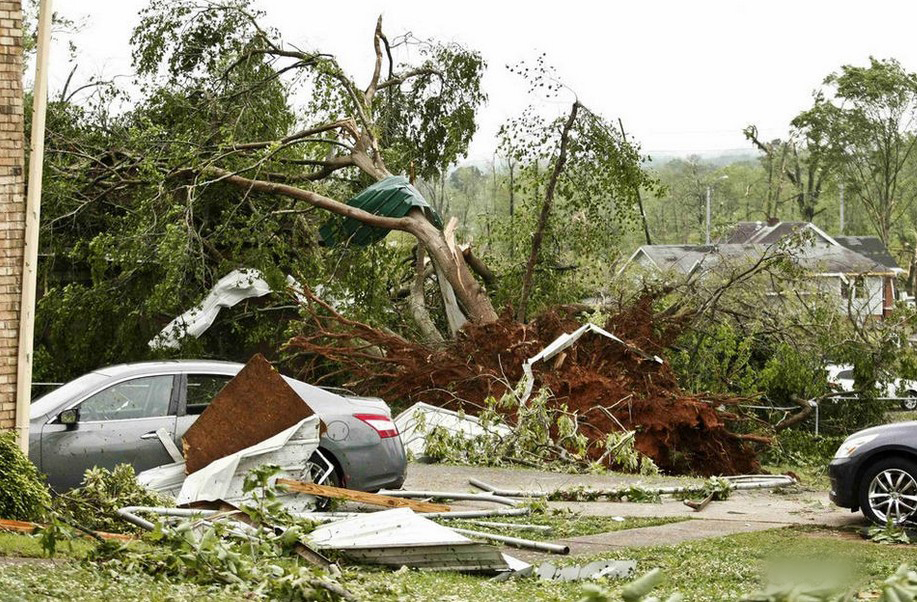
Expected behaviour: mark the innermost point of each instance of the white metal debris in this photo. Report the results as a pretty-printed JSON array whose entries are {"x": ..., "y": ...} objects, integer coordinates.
[
  {"x": 166, "y": 479},
  {"x": 289, "y": 449},
  {"x": 222, "y": 479},
  {"x": 400, "y": 537},
  {"x": 416, "y": 422},
  {"x": 612, "y": 569},
  {"x": 229, "y": 290},
  {"x": 563, "y": 342}
]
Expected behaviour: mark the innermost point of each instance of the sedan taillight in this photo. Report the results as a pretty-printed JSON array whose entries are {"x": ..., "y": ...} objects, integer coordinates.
[{"x": 380, "y": 423}]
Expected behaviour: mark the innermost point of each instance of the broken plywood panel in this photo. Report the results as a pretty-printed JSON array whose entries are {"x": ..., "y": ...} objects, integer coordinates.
[{"x": 253, "y": 406}]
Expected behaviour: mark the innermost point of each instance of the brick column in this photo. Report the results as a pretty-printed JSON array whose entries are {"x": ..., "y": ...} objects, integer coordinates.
[{"x": 12, "y": 202}]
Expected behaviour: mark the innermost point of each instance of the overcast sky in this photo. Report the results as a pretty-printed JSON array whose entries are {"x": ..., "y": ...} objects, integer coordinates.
[{"x": 685, "y": 76}]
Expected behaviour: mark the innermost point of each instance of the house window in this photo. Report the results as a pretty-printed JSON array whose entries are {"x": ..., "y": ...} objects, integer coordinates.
[{"x": 855, "y": 289}]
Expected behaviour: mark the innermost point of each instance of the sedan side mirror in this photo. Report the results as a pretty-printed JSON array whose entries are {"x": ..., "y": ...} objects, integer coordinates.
[{"x": 69, "y": 418}]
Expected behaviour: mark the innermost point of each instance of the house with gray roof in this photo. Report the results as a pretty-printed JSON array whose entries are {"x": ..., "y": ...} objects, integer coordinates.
[{"x": 859, "y": 270}]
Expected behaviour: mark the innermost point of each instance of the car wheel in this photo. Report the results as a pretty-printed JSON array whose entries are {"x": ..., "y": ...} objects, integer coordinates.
[
  {"x": 888, "y": 491},
  {"x": 909, "y": 403},
  {"x": 322, "y": 470}
]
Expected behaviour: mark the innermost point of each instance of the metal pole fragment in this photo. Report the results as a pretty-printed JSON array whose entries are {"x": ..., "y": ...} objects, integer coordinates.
[{"x": 518, "y": 542}]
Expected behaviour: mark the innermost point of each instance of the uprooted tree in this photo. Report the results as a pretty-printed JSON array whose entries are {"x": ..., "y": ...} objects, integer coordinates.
[{"x": 240, "y": 145}]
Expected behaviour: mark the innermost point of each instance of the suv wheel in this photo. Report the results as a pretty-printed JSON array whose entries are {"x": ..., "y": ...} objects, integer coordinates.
[
  {"x": 909, "y": 403},
  {"x": 888, "y": 491}
]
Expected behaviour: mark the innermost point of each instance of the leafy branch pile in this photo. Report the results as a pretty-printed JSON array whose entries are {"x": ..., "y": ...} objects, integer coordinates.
[
  {"x": 257, "y": 563},
  {"x": 544, "y": 435},
  {"x": 93, "y": 504}
]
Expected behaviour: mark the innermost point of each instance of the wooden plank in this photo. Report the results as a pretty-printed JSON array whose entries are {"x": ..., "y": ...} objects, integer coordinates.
[
  {"x": 20, "y": 526},
  {"x": 373, "y": 499}
]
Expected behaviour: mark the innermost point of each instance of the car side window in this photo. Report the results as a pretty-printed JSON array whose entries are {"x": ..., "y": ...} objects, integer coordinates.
[
  {"x": 145, "y": 397},
  {"x": 202, "y": 388},
  {"x": 845, "y": 374}
]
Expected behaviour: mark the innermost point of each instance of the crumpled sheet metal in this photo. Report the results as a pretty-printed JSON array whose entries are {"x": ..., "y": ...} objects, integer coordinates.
[
  {"x": 230, "y": 290},
  {"x": 414, "y": 438},
  {"x": 400, "y": 537},
  {"x": 565, "y": 341},
  {"x": 222, "y": 479},
  {"x": 255, "y": 405}
]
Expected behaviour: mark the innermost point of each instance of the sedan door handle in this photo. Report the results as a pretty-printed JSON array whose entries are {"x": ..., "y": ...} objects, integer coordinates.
[{"x": 165, "y": 437}]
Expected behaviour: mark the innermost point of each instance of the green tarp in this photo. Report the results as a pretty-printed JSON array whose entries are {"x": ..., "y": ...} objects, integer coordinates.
[{"x": 392, "y": 197}]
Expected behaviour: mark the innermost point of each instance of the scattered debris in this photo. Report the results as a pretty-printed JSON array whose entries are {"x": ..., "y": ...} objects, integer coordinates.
[
  {"x": 518, "y": 542},
  {"x": 165, "y": 437},
  {"x": 565, "y": 341},
  {"x": 516, "y": 526},
  {"x": 610, "y": 569},
  {"x": 19, "y": 526},
  {"x": 255, "y": 405},
  {"x": 717, "y": 486}
]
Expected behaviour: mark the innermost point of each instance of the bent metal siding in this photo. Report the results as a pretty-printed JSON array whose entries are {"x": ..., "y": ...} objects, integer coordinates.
[{"x": 12, "y": 202}]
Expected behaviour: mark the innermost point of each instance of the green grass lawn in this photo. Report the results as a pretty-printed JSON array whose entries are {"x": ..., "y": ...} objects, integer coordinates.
[{"x": 710, "y": 570}]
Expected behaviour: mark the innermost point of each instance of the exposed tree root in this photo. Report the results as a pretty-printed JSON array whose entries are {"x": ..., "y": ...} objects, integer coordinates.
[{"x": 608, "y": 386}]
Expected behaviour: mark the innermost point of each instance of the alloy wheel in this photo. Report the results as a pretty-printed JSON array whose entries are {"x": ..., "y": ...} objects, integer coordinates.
[{"x": 893, "y": 495}]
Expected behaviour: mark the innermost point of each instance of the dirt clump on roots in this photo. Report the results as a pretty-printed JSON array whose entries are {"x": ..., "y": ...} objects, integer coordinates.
[{"x": 609, "y": 386}]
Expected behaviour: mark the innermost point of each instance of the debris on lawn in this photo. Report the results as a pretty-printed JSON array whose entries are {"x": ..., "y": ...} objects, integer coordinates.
[
  {"x": 224, "y": 478},
  {"x": 400, "y": 537},
  {"x": 609, "y": 569},
  {"x": 255, "y": 405},
  {"x": 606, "y": 385}
]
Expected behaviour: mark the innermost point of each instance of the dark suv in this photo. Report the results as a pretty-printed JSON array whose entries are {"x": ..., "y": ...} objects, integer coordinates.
[{"x": 875, "y": 470}]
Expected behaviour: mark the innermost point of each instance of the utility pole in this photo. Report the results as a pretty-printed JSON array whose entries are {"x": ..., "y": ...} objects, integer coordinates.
[
  {"x": 842, "y": 207},
  {"x": 709, "y": 197},
  {"x": 32, "y": 218},
  {"x": 707, "y": 239}
]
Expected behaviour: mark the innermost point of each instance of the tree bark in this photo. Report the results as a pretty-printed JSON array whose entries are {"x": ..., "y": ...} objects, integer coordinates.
[
  {"x": 417, "y": 304},
  {"x": 545, "y": 214}
]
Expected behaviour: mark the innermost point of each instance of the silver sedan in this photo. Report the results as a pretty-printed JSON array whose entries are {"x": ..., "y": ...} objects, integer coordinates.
[{"x": 112, "y": 415}]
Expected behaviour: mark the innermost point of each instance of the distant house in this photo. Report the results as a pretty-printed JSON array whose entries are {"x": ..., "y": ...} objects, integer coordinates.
[{"x": 858, "y": 269}]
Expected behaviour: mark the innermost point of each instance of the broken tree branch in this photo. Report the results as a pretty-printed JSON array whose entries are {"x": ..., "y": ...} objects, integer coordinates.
[{"x": 545, "y": 213}]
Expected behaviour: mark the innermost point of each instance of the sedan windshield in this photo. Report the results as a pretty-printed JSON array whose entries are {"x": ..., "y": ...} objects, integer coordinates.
[{"x": 50, "y": 401}]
